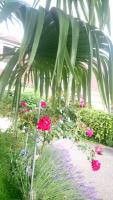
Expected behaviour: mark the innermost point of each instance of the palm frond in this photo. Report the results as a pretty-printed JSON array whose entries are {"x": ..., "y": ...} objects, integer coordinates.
[{"x": 67, "y": 42}]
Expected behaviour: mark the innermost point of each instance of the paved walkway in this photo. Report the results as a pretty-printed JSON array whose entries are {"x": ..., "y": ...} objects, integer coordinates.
[
  {"x": 5, "y": 123},
  {"x": 102, "y": 180}
]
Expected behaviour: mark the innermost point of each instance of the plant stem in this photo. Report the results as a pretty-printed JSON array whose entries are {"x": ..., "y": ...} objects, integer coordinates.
[
  {"x": 26, "y": 141},
  {"x": 33, "y": 164},
  {"x": 33, "y": 170}
]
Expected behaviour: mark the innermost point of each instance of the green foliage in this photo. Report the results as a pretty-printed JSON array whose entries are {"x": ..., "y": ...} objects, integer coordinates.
[
  {"x": 19, "y": 175},
  {"x": 101, "y": 123},
  {"x": 8, "y": 188},
  {"x": 64, "y": 121},
  {"x": 72, "y": 122},
  {"x": 30, "y": 98},
  {"x": 27, "y": 119}
]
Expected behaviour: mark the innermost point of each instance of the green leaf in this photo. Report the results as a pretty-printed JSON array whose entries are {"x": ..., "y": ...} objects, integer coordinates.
[
  {"x": 39, "y": 27},
  {"x": 5, "y": 76}
]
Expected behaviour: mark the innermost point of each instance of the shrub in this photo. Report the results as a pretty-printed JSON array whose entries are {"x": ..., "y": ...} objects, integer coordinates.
[
  {"x": 63, "y": 121},
  {"x": 101, "y": 123}
]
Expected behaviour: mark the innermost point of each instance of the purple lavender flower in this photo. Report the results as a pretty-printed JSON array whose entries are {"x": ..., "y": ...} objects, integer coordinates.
[{"x": 73, "y": 174}]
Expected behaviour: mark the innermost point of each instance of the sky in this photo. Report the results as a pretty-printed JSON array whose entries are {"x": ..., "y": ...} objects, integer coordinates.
[{"x": 15, "y": 28}]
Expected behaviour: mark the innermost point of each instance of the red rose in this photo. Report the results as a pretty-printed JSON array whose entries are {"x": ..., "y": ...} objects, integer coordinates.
[
  {"x": 95, "y": 165},
  {"x": 44, "y": 124},
  {"x": 43, "y": 104},
  {"x": 23, "y": 104}
]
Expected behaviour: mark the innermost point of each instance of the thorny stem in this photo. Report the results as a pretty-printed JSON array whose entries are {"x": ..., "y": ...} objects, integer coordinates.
[
  {"x": 33, "y": 164},
  {"x": 33, "y": 170},
  {"x": 26, "y": 141}
]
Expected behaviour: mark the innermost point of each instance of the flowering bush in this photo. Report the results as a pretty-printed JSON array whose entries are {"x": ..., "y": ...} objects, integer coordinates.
[
  {"x": 101, "y": 123},
  {"x": 65, "y": 124}
]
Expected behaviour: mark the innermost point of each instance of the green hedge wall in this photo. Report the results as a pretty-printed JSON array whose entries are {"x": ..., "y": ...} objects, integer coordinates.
[{"x": 101, "y": 123}]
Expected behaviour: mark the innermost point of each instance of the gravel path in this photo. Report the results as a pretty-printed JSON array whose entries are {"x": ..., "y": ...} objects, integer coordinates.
[{"x": 102, "y": 180}]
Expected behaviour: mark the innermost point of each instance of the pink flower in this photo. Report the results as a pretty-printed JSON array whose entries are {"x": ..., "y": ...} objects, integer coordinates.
[
  {"x": 44, "y": 124},
  {"x": 95, "y": 165},
  {"x": 43, "y": 104},
  {"x": 89, "y": 132},
  {"x": 82, "y": 103},
  {"x": 23, "y": 104},
  {"x": 99, "y": 150}
]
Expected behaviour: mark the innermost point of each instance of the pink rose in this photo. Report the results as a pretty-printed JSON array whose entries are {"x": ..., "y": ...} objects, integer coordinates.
[
  {"x": 95, "y": 165},
  {"x": 43, "y": 104},
  {"x": 89, "y": 132},
  {"x": 23, "y": 104},
  {"x": 82, "y": 103},
  {"x": 44, "y": 124},
  {"x": 99, "y": 150}
]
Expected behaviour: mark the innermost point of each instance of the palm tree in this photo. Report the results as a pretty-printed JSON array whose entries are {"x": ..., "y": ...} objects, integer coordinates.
[{"x": 61, "y": 48}]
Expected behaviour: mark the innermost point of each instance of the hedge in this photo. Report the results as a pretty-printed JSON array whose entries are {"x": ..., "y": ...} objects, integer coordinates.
[{"x": 101, "y": 123}]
